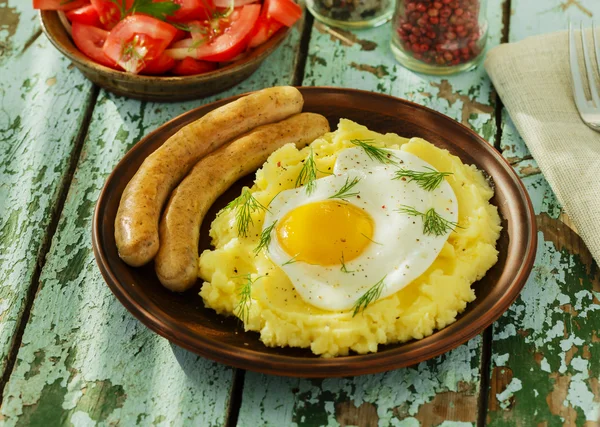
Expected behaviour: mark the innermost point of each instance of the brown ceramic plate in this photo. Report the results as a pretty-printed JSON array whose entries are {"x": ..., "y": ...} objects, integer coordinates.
[
  {"x": 158, "y": 88},
  {"x": 182, "y": 318}
]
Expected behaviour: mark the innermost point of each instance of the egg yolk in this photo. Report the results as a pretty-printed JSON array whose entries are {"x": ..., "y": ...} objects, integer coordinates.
[{"x": 323, "y": 232}]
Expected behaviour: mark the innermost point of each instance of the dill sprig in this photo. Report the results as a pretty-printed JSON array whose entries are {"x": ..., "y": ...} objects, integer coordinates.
[
  {"x": 265, "y": 238},
  {"x": 242, "y": 309},
  {"x": 344, "y": 192},
  {"x": 308, "y": 174},
  {"x": 371, "y": 240},
  {"x": 292, "y": 260},
  {"x": 433, "y": 223},
  {"x": 428, "y": 181},
  {"x": 245, "y": 206},
  {"x": 343, "y": 268},
  {"x": 368, "y": 297},
  {"x": 378, "y": 154}
]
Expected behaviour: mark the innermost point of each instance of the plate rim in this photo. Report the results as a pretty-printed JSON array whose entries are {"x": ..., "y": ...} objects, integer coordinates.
[{"x": 318, "y": 367}]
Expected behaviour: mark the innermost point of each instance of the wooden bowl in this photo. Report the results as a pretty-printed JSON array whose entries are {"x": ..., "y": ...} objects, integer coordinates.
[
  {"x": 183, "y": 319},
  {"x": 158, "y": 88}
]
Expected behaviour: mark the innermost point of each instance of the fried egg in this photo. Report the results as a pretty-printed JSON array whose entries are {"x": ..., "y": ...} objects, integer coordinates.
[{"x": 352, "y": 234}]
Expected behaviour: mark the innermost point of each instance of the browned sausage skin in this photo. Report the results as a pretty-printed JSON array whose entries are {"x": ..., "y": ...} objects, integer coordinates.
[
  {"x": 136, "y": 223},
  {"x": 177, "y": 258}
]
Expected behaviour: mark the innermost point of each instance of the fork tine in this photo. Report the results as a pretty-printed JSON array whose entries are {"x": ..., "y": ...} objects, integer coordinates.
[
  {"x": 579, "y": 95},
  {"x": 596, "y": 46},
  {"x": 589, "y": 69}
]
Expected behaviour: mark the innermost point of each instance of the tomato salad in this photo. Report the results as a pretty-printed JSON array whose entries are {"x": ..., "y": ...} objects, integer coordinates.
[{"x": 180, "y": 37}]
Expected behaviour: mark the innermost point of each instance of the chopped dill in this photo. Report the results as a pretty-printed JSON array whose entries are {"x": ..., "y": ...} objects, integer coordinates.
[
  {"x": 308, "y": 174},
  {"x": 428, "y": 181},
  {"x": 368, "y": 297},
  {"x": 245, "y": 206},
  {"x": 378, "y": 154},
  {"x": 292, "y": 260},
  {"x": 343, "y": 268},
  {"x": 433, "y": 223},
  {"x": 371, "y": 240},
  {"x": 344, "y": 192},
  {"x": 265, "y": 238},
  {"x": 242, "y": 309}
]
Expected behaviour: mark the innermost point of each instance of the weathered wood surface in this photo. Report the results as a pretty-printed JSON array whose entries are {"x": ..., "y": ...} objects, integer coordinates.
[
  {"x": 84, "y": 359},
  {"x": 445, "y": 388},
  {"x": 42, "y": 106},
  {"x": 546, "y": 348}
]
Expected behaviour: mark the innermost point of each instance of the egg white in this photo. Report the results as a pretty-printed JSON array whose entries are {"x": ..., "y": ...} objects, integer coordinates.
[{"x": 399, "y": 252}]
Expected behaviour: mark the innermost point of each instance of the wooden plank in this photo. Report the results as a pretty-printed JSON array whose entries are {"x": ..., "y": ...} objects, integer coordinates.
[
  {"x": 442, "y": 389},
  {"x": 546, "y": 348},
  {"x": 84, "y": 358},
  {"x": 42, "y": 105},
  {"x": 445, "y": 388}
]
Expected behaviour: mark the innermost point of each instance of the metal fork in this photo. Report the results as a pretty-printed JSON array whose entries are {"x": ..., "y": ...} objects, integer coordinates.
[{"x": 589, "y": 110}]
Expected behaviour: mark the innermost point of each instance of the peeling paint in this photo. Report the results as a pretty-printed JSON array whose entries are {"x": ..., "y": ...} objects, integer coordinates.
[
  {"x": 378, "y": 71},
  {"x": 469, "y": 106},
  {"x": 9, "y": 20},
  {"x": 346, "y": 38},
  {"x": 347, "y": 414},
  {"x": 529, "y": 170},
  {"x": 448, "y": 406},
  {"x": 557, "y": 398},
  {"x": 505, "y": 399},
  {"x": 501, "y": 359}
]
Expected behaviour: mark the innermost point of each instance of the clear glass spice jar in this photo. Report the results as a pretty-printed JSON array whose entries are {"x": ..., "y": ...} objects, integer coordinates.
[
  {"x": 351, "y": 13},
  {"x": 439, "y": 36}
]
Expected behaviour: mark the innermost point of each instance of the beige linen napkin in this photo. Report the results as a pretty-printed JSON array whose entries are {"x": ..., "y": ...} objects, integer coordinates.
[{"x": 533, "y": 80}]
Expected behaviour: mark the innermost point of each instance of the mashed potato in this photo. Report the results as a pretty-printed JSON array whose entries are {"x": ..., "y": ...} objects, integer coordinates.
[{"x": 430, "y": 302}]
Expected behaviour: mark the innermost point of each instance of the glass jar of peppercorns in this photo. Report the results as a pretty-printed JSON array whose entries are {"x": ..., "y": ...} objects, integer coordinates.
[
  {"x": 351, "y": 13},
  {"x": 439, "y": 36}
]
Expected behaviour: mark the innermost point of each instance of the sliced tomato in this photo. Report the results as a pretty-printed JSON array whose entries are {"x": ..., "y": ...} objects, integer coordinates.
[
  {"x": 109, "y": 12},
  {"x": 191, "y": 9},
  {"x": 90, "y": 41},
  {"x": 285, "y": 11},
  {"x": 160, "y": 65},
  {"x": 138, "y": 39},
  {"x": 189, "y": 66},
  {"x": 233, "y": 40},
  {"x": 58, "y": 4},
  {"x": 263, "y": 30},
  {"x": 84, "y": 15}
]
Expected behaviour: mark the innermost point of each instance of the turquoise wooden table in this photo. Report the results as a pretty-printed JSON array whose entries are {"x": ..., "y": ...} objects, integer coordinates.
[{"x": 72, "y": 355}]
